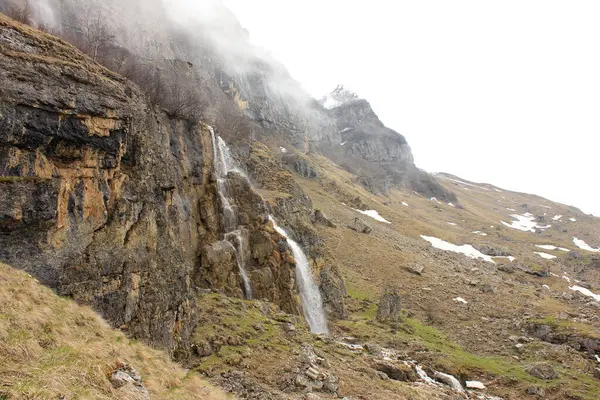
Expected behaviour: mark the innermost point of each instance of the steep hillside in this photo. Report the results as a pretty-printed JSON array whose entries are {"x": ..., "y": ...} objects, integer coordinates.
[
  {"x": 52, "y": 348},
  {"x": 196, "y": 198}
]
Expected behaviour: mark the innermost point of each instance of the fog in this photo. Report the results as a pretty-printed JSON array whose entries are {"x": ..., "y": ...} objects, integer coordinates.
[
  {"x": 504, "y": 93},
  {"x": 499, "y": 92}
]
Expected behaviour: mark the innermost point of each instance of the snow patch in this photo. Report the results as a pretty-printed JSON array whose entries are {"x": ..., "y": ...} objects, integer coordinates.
[
  {"x": 451, "y": 205},
  {"x": 480, "y": 233},
  {"x": 283, "y": 149},
  {"x": 498, "y": 190},
  {"x": 475, "y": 385},
  {"x": 572, "y": 220},
  {"x": 584, "y": 246},
  {"x": 546, "y": 246},
  {"x": 373, "y": 214},
  {"x": 525, "y": 223},
  {"x": 451, "y": 223},
  {"x": 436, "y": 200},
  {"x": 405, "y": 204},
  {"x": 557, "y": 217},
  {"x": 511, "y": 209},
  {"x": 466, "y": 183},
  {"x": 545, "y": 255},
  {"x": 460, "y": 300},
  {"x": 465, "y": 249},
  {"x": 551, "y": 247},
  {"x": 585, "y": 292}
]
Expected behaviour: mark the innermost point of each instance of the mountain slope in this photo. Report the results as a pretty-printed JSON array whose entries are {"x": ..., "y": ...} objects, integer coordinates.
[
  {"x": 115, "y": 198},
  {"x": 52, "y": 348}
]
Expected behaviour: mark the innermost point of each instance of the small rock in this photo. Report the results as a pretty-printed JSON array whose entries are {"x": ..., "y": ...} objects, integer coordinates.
[
  {"x": 360, "y": 226},
  {"x": 542, "y": 371},
  {"x": 383, "y": 376},
  {"x": 415, "y": 269},
  {"x": 475, "y": 385},
  {"x": 396, "y": 371},
  {"x": 312, "y": 373},
  {"x": 302, "y": 381},
  {"x": 533, "y": 391},
  {"x": 319, "y": 217},
  {"x": 374, "y": 349},
  {"x": 311, "y": 396},
  {"x": 129, "y": 383}
]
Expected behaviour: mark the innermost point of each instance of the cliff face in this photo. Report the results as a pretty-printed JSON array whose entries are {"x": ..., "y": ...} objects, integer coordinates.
[
  {"x": 378, "y": 155},
  {"x": 111, "y": 201}
]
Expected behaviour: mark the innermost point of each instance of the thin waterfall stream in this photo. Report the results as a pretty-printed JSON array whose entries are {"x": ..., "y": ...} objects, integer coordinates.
[
  {"x": 312, "y": 304},
  {"x": 223, "y": 164}
]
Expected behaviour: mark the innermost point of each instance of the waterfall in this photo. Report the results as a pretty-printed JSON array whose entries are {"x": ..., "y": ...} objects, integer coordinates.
[
  {"x": 223, "y": 163},
  {"x": 236, "y": 239},
  {"x": 312, "y": 304}
]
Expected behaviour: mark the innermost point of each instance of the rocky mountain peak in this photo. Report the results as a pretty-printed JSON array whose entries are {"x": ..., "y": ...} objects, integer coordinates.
[{"x": 338, "y": 97}]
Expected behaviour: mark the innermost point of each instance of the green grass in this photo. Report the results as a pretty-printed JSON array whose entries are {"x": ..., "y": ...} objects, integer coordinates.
[
  {"x": 450, "y": 357},
  {"x": 567, "y": 326}
]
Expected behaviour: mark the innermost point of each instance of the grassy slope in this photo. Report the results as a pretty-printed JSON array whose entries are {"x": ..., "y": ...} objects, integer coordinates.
[
  {"x": 51, "y": 347},
  {"x": 470, "y": 341}
]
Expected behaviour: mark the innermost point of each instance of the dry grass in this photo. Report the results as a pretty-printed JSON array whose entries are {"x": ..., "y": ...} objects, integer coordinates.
[{"x": 51, "y": 347}]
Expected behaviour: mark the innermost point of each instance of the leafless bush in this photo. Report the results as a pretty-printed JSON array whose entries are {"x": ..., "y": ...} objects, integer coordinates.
[
  {"x": 234, "y": 123},
  {"x": 22, "y": 13}
]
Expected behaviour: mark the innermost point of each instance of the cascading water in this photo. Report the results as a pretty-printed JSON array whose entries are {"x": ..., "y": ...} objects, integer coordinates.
[
  {"x": 236, "y": 239},
  {"x": 312, "y": 304},
  {"x": 223, "y": 164}
]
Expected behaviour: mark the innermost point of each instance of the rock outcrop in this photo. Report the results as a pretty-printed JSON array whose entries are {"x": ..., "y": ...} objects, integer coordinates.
[
  {"x": 390, "y": 305},
  {"x": 380, "y": 156},
  {"x": 114, "y": 202},
  {"x": 333, "y": 291}
]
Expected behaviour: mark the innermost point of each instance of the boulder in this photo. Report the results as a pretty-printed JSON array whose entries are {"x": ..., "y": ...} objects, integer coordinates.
[
  {"x": 389, "y": 307},
  {"x": 542, "y": 371},
  {"x": 303, "y": 167},
  {"x": 128, "y": 383},
  {"x": 474, "y": 385},
  {"x": 360, "y": 226},
  {"x": 318, "y": 217},
  {"x": 415, "y": 269},
  {"x": 396, "y": 371},
  {"x": 333, "y": 291}
]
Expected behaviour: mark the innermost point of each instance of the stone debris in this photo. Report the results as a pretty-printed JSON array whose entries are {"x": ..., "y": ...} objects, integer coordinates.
[
  {"x": 312, "y": 376},
  {"x": 128, "y": 382}
]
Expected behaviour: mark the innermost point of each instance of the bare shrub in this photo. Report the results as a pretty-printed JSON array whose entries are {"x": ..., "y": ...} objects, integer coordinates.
[{"x": 19, "y": 12}]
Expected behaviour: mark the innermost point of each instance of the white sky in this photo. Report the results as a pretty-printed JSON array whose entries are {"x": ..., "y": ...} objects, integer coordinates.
[{"x": 503, "y": 92}]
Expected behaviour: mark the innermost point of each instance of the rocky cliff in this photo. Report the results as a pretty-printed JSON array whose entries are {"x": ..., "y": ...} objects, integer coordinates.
[
  {"x": 378, "y": 155},
  {"x": 112, "y": 201}
]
